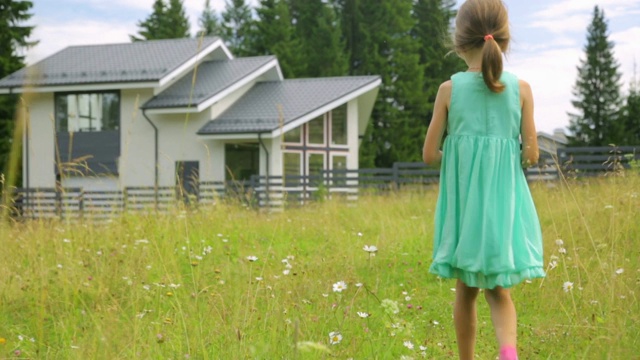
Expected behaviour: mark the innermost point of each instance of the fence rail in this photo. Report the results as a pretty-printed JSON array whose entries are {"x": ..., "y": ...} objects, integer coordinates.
[{"x": 276, "y": 192}]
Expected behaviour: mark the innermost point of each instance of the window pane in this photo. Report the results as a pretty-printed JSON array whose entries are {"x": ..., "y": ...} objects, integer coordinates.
[
  {"x": 88, "y": 112},
  {"x": 241, "y": 161},
  {"x": 291, "y": 164},
  {"x": 316, "y": 165},
  {"x": 339, "y": 162},
  {"x": 339, "y": 125},
  {"x": 316, "y": 130},
  {"x": 293, "y": 136}
]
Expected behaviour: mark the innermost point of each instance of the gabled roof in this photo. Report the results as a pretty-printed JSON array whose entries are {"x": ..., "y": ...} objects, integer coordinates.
[
  {"x": 258, "y": 110},
  {"x": 212, "y": 77},
  {"x": 143, "y": 61}
]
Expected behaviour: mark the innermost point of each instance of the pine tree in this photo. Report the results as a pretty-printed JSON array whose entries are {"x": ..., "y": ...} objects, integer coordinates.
[
  {"x": 318, "y": 28},
  {"x": 237, "y": 26},
  {"x": 275, "y": 35},
  {"x": 597, "y": 90},
  {"x": 167, "y": 21},
  {"x": 14, "y": 35},
  {"x": 209, "y": 22}
]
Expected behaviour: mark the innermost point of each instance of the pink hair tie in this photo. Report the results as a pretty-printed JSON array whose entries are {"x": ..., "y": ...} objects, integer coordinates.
[{"x": 487, "y": 37}]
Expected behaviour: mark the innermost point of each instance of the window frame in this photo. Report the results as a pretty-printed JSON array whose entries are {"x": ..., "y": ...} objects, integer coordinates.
[
  {"x": 346, "y": 127},
  {"x": 56, "y": 96}
]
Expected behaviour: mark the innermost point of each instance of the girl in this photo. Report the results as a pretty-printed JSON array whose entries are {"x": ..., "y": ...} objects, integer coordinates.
[{"x": 487, "y": 233}]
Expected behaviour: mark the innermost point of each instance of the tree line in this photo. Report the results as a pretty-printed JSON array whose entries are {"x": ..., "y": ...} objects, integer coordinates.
[{"x": 403, "y": 41}]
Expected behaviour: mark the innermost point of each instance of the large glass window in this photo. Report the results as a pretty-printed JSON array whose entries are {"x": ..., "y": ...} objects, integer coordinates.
[
  {"x": 292, "y": 165},
  {"x": 316, "y": 131},
  {"x": 87, "y": 112},
  {"x": 339, "y": 162},
  {"x": 316, "y": 166},
  {"x": 293, "y": 135},
  {"x": 339, "y": 125},
  {"x": 241, "y": 161}
]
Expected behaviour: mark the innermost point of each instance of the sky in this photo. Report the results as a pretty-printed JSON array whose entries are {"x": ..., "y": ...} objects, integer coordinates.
[{"x": 548, "y": 39}]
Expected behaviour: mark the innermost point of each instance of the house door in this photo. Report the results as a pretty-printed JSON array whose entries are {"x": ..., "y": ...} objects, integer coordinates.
[
  {"x": 241, "y": 161},
  {"x": 187, "y": 178}
]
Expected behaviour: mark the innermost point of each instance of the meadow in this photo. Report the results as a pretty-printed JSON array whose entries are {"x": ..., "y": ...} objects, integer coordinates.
[{"x": 230, "y": 282}]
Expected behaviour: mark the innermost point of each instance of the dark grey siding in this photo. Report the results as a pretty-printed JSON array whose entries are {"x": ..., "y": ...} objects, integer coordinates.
[{"x": 88, "y": 153}]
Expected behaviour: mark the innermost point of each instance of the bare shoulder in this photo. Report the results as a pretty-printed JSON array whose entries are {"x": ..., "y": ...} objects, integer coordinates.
[
  {"x": 525, "y": 88},
  {"x": 445, "y": 87}
]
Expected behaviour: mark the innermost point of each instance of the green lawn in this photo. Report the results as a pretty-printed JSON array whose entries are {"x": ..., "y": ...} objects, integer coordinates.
[{"x": 180, "y": 286}]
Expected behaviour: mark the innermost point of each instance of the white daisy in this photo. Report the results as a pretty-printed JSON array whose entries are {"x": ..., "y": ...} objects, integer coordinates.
[
  {"x": 252, "y": 258},
  {"x": 408, "y": 344},
  {"x": 559, "y": 242},
  {"x": 363, "y": 314},
  {"x": 619, "y": 271},
  {"x": 335, "y": 337},
  {"x": 567, "y": 286},
  {"x": 370, "y": 248},
  {"x": 339, "y": 286}
]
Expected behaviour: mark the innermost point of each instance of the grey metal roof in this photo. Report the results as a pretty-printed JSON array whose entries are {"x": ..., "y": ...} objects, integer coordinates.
[
  {"x": 211, "y": 78},
  {"x": 257, "y": 111},
  {"x": 127, "y": 62}
]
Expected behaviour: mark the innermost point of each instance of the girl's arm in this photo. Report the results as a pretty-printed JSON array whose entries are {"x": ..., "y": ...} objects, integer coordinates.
[
  {"x": 528, "y": 133},
  {"x": 431, "y": 153}
]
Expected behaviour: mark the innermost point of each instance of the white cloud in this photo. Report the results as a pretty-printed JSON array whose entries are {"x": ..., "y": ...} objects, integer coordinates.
[
  {"x": 613, "y": 8},
  {"x": 55, "y": 37}
]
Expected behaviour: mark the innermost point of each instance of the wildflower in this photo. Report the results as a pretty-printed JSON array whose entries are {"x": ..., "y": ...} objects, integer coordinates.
[
  {"x": 146, "y": 287},
  {"x": 553, "y": 264},
  {"x": 335, "y": 337},
  {"x": 259, "y": 278},
  {"x": 339, "y": 286},
  {"x": 359, "y": 234},
  {"x": 363, "y": 315},
  {"x": 160, "y": 338},
  {"x": 559, "y": 242},
  {"x": 3, "y": 341},
  {"x": 390, "y": 306},
  {"x": 358, "y": 284},
  {"x": 408, "y": 344},
  {"x": 59, "y": 266},
  {"x": 608, "y": 207},
  {"x": 370, "y": 249},
  {"x": 286, "y": 272},
  {"x": 291, "y": 257},
  {"x": 567, "y": 286},
  {"x": 435, "y": 322},
  {"x": 562, "y": 250},
  {"x": 409, "y": 306},
  {"x": 148, "y": 267},
  {"x": 66, "y": 240},
  {"x": 408, "y": 298},
  {"x": 142, "y": 241},
  {"x": 423, "y": 348},
  {"x": 325, "y": 295},
  {"x": 619, "y": 271},
  {"x": 252, "y": 258}
]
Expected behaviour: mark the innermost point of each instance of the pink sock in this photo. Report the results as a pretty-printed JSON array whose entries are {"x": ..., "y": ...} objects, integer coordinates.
[{"x": 508, "y": 353}]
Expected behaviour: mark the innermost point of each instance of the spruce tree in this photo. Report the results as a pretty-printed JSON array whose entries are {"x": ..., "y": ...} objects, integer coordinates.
[
  {"x": 166, "y": 21},
  {"x": 237, "y": 23},
  {"x": 209, "y": 22},
  {"x": 597, "y": 90},
  {"x": 318, "y": 28},
  {"x": 274, "y": 34},
  {"x": 14, "y": 36},
  {"x": 631, "y": 115},
  {"x": 378, "y": 38}
]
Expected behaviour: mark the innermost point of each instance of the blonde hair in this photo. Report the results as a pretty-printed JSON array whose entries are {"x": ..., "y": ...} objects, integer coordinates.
[{"x": 475, "y": 20}]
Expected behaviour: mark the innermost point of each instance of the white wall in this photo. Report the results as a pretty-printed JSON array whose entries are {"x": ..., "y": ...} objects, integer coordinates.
[
  {"x": 353, "y": 131},
  {"x": 136, "y": 163},
  {"x": 41, "y": 147},
  {"x": 93, "y": 183}
]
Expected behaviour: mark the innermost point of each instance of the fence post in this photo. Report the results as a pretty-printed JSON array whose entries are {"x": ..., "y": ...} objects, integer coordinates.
[
  {"x": 396, "y": 176},
  {"x": 81, "y": 204}
]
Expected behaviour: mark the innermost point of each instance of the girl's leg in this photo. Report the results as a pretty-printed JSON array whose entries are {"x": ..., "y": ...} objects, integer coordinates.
[
  {"x": 464, "y": 317},
  {"x": 503, "y": 316}
]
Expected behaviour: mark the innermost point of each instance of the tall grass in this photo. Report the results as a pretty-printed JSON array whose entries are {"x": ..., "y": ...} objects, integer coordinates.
[{"x": 179, "y": 285}]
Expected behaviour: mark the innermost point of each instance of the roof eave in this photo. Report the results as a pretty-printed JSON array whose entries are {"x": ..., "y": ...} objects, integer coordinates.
[{"x": 80, "y": 87}]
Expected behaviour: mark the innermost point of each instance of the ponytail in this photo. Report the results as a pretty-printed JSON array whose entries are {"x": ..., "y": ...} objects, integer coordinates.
[{"x": 492, "y": 64}]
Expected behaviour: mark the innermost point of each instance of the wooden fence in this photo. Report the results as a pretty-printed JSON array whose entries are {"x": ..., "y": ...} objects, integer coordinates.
[{"x": 277, "y": 192}]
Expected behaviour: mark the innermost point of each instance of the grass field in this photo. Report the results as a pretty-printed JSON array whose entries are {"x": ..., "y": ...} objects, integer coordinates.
[{"x": 182, "y": 285}]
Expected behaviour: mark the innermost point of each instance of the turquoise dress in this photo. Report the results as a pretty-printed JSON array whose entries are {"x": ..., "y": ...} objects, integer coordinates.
[{"x": 487, "y": 231}]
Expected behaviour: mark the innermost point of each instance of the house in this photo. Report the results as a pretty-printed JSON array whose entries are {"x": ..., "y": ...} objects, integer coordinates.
[
  {"x": 550, "y": 143},
  {"x": 163, "y": 113}
]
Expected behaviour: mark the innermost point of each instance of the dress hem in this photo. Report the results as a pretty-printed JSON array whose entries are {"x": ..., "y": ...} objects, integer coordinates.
[{"x": 480, "y": 280}]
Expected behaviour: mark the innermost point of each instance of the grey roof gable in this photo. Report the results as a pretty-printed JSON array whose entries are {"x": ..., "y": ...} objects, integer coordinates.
[
  {"x": 257, "y": 111},
  {"x": 212, "y": 77},
  {"x": 129, "y": 62}
]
